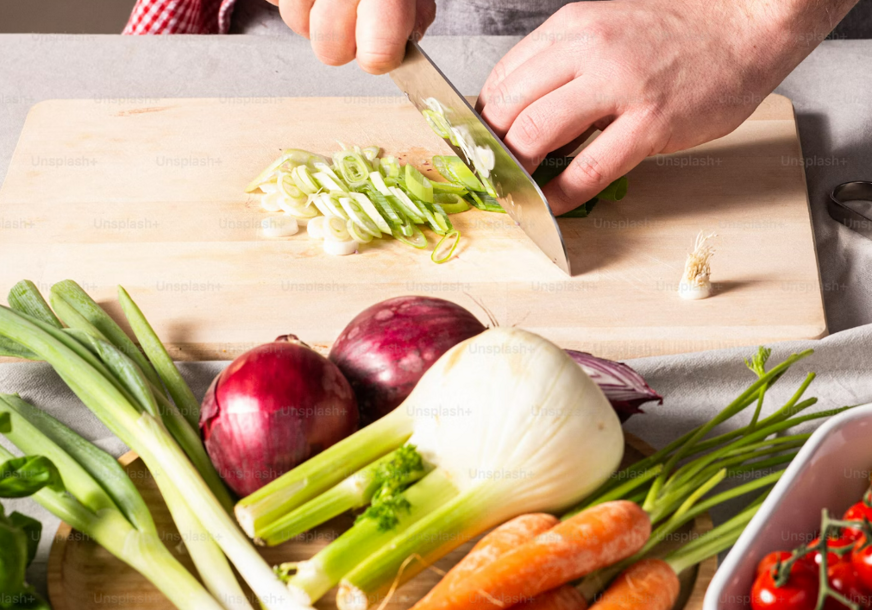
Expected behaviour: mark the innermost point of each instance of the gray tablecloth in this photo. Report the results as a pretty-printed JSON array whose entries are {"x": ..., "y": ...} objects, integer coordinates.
[{"x": 830, "y": 91}]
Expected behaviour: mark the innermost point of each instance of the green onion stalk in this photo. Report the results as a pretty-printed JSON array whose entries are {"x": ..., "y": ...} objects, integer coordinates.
[
  {"x": 101, "y": 502},
  {"x": 115, "y": 386}
]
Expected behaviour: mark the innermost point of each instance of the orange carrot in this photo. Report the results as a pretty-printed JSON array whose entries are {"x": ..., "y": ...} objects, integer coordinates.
[
  {"x": 510, "y": 535},
  {"x": 565, "y": 597},
  {"x": 650, "y": 584},
  {"x": 594, "y": 538}
]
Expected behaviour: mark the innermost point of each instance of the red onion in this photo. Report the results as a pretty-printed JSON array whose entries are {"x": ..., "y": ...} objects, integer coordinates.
[
  {"x": 623, "y": 386},
  {"x": 273, "y": 408},
  {"x": 386, "y": 349}
]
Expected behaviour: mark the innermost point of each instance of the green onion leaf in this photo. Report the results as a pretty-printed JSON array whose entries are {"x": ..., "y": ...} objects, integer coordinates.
[{"x": 447, "y": 256}]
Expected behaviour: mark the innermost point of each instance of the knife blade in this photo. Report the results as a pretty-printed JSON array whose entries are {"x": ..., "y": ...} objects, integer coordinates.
[{"x": 428, "y": 89}]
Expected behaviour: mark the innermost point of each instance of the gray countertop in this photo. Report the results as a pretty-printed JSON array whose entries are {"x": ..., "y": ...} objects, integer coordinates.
[{"x": 830, "y": 92}]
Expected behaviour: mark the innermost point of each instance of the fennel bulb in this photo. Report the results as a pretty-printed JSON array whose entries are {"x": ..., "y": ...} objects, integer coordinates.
[{"x": 508, "y": 423}]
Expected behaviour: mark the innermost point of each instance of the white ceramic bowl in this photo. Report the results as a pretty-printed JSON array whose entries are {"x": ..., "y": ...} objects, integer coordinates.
[{"x": 831, "y": 471}]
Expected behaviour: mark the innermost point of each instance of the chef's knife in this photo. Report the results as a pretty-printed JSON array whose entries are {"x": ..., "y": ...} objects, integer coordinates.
[{"x": 423, "y": 82}]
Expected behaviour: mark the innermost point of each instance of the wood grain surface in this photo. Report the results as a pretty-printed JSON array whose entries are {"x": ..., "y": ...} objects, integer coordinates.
[
  {"x": 150, "y": 196},
  {"x": 84, "y": 576}
]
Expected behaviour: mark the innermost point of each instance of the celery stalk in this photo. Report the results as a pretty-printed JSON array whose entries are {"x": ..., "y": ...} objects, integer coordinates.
[
  {"x": 354, "y": 492},
  {"x": 321, "y": 573},
  {"x": 273, "y": 501},
  {"x": 455, "y": 522}
]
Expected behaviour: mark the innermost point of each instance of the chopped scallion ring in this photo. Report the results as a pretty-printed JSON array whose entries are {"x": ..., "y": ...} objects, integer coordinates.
[
  {"x": 317, "y": 227},
  {"x": 370, "y": 210},
  {"x": 285, "y": 185},
  {"x": 390, "y": 167},
  {"x": 418, "y": 184},
  {"x": 335, "y": 229},
  {"x": 358, "y": 234},
  {"x": 371, "y": 153},
  {"x": 408, "y": 206},
  {"x": 327, "y": 182},
  {"x": 379, "y": 183},
  {"x": 357, "y": 216},
  {"x": 456, "y": 235},
  {"x": 417, "y": 239},
  {"x": 340, "y": 248},
  {"x": 304, "y": 181},
  {"x": 353, "y": 166},
  {"x": 451, "y": 203},
  {"x": 279, "y": 226}
]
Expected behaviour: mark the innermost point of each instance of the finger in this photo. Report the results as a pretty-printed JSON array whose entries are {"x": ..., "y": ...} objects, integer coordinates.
[
  {"x": 425, "y": 14},
  {"x": 555, "y": 120},
  {"x": 570, "y": 148},
  {"x": 621, "y": 147},
  {"x": 273, "y": 2},
  {"x": 532, "y": 80},
  {"x": 295, "y": 14},
  {"x": 332, "y": 29},
  {"x": 383, "y": 27},
  {"x": 534, "y": 43}
]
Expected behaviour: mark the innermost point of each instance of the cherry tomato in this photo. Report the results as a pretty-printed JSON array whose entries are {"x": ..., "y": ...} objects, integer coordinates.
[
  {"x": 861, "y": 561},
  {"x": 798, "y": 593},
  {"x": 856, "y": 512},
  {"x": 844, "y": 580},
  {"x": 772, "y": 559},
  {"x": 832, "y": 558}
]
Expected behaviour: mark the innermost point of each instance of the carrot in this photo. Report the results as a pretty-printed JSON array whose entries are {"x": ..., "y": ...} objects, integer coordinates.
[
  {"x": 510, "y": 535},
  {"x": 597, "y": 537},
  {"x": 565, "y": 597},
  {"x": 650, "y": 584}
]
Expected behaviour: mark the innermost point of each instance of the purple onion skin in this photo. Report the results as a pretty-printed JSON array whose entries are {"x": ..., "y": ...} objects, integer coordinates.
[
  {"x": 385, "y": 350},
  {"x": 273, "y": 408},
  {"x": 624, "y": 387}
]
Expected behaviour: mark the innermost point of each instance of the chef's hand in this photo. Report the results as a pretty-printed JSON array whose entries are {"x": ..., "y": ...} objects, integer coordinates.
[
  {"x": 657, "y": 76},
  {"x": 372, "y": 31}
]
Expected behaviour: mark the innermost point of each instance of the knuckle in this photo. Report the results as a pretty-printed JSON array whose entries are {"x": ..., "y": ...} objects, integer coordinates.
[
  {"x": 587, "y": 172},
  {"x": 378, "y": 60},
  {"x": 530, "y": 129}
]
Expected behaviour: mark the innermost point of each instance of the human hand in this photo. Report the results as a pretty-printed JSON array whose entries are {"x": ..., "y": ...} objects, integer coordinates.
[
  {"x": 657, "y": 76},
  {"x": 372, "y": 31}
]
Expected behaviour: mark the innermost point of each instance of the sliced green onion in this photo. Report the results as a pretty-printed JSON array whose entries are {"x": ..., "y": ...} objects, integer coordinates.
[
  {"x": 371, "y": 153},
  {"x": 358, "y": 234},
  {"x": 304, "y": 180},
  {"x": 386, "y": 208},
  {"x": 486, "y": 203},
  {"x": 447, "y": 187},
  {"x": 456, "y": 235},
  {"x": 438, "y": 123},
  {"x": 317, "y": 227},
  {"x": 451, "y": 203},
  {"x": 379, "y": 183},
  {"x": 417, "y": 239},
  {"x": 358, "y": 217},
  {"x": 327, "y": 182},
  {"x": 308, "y": 210},
  {"x": 390, "y": 167},
  {"x": 353, "y": 166},
  {"x": 270, "y": 202},
  {"x": 370, "y": 210},
  {"x": 455, "y": 170},
  {"x": 287, "y": 186},
  {"x": 418, "y": 184},
  {"x": 408, "y": 206},
  {"x": 335, "y": 229}
]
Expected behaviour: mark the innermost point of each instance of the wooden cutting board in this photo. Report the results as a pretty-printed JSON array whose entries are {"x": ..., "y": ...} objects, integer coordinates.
[
  {"x": 150, "y": 196},
  {"x": 84, "y": 576}
]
